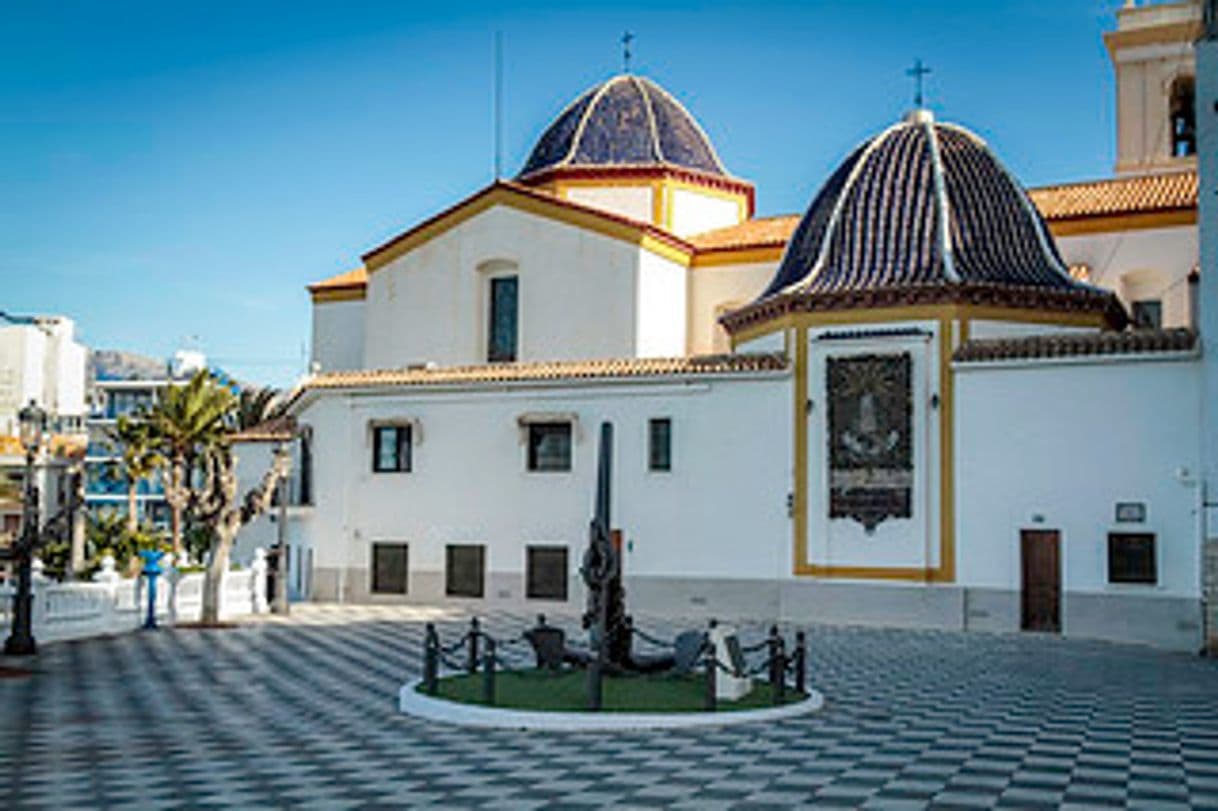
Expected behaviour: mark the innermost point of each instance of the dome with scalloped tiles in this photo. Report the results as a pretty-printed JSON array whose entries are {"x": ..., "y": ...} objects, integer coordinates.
[{"x": 628, "y": 121}]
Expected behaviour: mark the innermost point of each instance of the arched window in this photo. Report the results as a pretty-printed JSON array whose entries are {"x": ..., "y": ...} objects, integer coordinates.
[{"x": 1183, "y": 117}]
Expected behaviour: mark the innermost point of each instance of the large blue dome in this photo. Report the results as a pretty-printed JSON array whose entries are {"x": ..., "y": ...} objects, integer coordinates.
[{"x": 626, "y": 121}]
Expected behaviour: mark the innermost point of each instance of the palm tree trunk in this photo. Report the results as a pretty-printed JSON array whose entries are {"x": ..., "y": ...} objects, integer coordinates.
[
  {"x": 133, "y": 523},
  {"x": 175, "y": 507},
  {"x": 213, "y": 579}
]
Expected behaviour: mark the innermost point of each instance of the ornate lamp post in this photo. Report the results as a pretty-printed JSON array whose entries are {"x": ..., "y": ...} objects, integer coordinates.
[
  {"x": 20, "y": 641},
  {"x": 279, "y": 600}
]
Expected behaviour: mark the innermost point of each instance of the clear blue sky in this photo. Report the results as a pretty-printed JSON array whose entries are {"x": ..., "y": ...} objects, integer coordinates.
[{"x": 175, "y": 169}]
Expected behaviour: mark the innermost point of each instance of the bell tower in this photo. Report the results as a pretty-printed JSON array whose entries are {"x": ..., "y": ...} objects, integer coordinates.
[{"x": 1153, "y": 59}]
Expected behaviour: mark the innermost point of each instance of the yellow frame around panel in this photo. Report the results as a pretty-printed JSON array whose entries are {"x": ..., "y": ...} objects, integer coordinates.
[{"x": 946, "y": 316}]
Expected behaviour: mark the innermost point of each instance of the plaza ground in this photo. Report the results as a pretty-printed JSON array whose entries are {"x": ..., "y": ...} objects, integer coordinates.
[{"x": 300, "y": 712}]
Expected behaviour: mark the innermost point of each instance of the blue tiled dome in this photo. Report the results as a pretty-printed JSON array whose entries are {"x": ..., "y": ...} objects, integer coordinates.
[
  {"x": 923, "y": 213},
  {"x": 627, "y": 121}
]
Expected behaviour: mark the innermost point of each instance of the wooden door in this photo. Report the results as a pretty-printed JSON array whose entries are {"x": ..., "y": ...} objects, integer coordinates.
[{"x": 1042, "y": 579}]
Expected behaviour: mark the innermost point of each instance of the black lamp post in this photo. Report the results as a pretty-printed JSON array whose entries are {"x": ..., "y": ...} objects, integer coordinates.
[
  {"x": 20, "y": 641},
  {"x": 279, "y": 600}
]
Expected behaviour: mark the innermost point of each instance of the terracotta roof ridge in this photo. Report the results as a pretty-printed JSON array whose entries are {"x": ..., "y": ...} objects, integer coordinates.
[
  {"x": 1114, "y": 180},
  {"x": 1078, "y": 344}
]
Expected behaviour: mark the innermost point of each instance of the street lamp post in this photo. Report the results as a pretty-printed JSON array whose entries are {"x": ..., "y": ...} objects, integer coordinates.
[
  {"x": 279, "y": 601},
  {"x": 20, "y": 641}
]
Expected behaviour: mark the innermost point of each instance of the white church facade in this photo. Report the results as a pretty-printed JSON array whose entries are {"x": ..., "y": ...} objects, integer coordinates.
[{"x": 935, "y": 399}]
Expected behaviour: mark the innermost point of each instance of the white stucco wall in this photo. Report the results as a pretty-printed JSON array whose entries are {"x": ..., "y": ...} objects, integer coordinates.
[
  {"x": 911, "y": 542},
  {"x": 694, "y": 212},
  {"x": 721, "y": 512},
  {"x": 576, "y": 293},
  {"x": 660, "y": 307},
  {"x": 986, "y": 328},
  {"x": 634, "y": 202},
  {"x": 712, "y": 290},
  {"x": 338, "y": 335},
  {"x": 1056, "y": 446},
  {"x": 1150, "y": 263}
]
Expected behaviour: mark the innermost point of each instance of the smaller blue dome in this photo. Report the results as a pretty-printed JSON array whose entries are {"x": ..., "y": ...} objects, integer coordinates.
[{"x": 627, "y": 121}]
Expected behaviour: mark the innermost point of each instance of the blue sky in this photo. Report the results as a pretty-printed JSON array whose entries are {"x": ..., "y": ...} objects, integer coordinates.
[{"x": 175, "y": 173}]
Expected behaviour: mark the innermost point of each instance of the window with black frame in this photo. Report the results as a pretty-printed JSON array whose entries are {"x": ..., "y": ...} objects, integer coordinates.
[
  {"x": 659, "y": 445},
  {"x": 465, "y": 570},
  {"x": 549, "y": 447},
  {"x": 390, "y": 568},
  {"x": 1131, "y": 558},
  {"x": 503, "y": 318},
  {"x": 391, "y": 449},
  {"x": 546, "y": 573}
]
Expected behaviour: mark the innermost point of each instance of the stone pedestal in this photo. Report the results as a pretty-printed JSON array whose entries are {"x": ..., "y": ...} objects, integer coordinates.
[{"x": 733, "y": 685}]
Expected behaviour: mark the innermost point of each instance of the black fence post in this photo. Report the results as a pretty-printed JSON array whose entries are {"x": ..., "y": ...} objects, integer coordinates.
[
  {"x": 488, "y": 672},
  {"x": 471, "y": 658},
  {"x": 712, "y": 666},
  {"x": 801, "y": 663},
  {"x": 431, "y": 657},
  {"x": 780, "y": 669},
  {"x": 772, "y": 650}
]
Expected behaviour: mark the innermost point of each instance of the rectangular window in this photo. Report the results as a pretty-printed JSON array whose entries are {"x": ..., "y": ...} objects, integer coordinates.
[
  {"x": 389, "y": 568},
  {"x": 546, "y": 573},
  {"x": 1131, "y": 558},
  {"x": 391, "y": 449},
  {"x": 465, "y": 570},
  {"x": 501, "y": 331},
  {"x": 659, "y": 444},
  {"x": 549, "y": 446},
  {"x": 1148, "y": 314}
]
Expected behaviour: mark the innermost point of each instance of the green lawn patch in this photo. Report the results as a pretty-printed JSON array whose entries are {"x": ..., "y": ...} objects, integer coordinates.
[{"x": 565, "y": 692}]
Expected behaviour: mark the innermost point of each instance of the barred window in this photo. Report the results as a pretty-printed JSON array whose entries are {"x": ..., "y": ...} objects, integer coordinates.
[
  {"x": 659, "y": 444},
  {"x": 549, "y": 447},
  {"x": 389, "y": 568},
  {"x": 465, "y": 570},
  {"x": 546, "y": 573},
  {"x": 1131, "y": 558}
]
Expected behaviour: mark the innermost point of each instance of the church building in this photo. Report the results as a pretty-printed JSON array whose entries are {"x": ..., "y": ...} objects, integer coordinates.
[{"x": 934, "y": 399}]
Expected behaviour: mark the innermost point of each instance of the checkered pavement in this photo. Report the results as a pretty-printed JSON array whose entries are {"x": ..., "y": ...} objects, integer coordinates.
[{"x": 300, "y": 712}]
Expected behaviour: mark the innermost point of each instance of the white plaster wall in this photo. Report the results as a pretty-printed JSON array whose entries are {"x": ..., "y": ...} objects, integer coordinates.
[
  {"x": 1055, "y": 446},
  {"x": 896, "y": 542},
  {"x": 721, "y": 512},
  {"x": 714, "y": 290},
  {"x": 576, "y": 293},
  {"x": 634, "y": 202},
  {"x": 660, "y": 306},
  {"x": 71, "y": 360},
  {"x": 984, "y": 328},
  {"x": 253, "y": 460},
  {"x": 694, "y": 212},
  {"x": 1144, "y": 76},
  {"x": 1143, "y": 263},
  {"x": 338, "y": 335},
  {"x": 21, "y": 372}
]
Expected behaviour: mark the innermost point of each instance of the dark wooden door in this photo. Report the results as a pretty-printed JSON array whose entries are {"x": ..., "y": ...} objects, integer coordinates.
[{"x": 1042, "y": 579}]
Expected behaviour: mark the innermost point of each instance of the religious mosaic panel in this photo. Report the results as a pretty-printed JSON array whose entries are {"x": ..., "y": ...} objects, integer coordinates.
[{"x": 870, "y": 437}]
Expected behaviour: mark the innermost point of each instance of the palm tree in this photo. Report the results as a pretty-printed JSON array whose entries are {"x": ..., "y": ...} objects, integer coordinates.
[
  {"x": 141, "y": 457},
  {"x": 256, "y": 405},
  {"x": 187, "y": 421}
]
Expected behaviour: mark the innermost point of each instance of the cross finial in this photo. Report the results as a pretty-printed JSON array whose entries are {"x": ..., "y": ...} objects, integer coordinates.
[
  {"x": 917, "y": 72},
  {"x": 627, "y": 38}
]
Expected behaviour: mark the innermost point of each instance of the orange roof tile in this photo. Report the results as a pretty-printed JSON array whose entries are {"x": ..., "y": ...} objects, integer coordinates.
[
  {"x": 355, "y": 278},
  {"x": 761, "y": 232},
  {"x": 1122, "y": 195},
  {"x": 1077, "y": 344},
  {"x": 608, "y": 369},
  {"x": 277, "y": 429}
]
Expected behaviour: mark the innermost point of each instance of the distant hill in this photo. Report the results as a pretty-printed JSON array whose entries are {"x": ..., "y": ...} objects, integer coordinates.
[{"x": 114, "y": 364}]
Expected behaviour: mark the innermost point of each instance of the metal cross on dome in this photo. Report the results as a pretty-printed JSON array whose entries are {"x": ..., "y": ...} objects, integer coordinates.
[
  {"x": 917, "y": 72},
  {"x": 627, "y": 38}
]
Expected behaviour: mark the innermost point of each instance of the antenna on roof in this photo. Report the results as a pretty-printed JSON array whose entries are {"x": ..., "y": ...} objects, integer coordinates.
[
  {"x": 498, "y": 105},
  {"x": 627, "y": 38}
]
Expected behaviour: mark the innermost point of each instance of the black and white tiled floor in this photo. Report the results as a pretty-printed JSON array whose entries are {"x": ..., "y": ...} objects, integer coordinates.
[{"x": 301, "y": 713}]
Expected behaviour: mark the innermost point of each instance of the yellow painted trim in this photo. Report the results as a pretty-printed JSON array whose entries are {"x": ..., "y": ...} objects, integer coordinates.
[
  {"x": 339, "y": 294},
  {"x": 657, "y": 203},
  {"x": 1122, "y": 222},
  {"x": 718, "y": 257},
  {"x": 966, "y": 328},
  {"x": 587, "y": 220},
  {"x": 666, "y": 190},
  {"x": 1186, "y": 31},
  {"x": 945, "y": 572},
  {"x": 764, "y": 328},
  {"x": 1065, "y": 319},
  {"x": 799, "y": 522}
]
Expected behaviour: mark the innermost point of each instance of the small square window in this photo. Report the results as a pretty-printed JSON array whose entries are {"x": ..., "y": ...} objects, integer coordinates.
[
  {"x": 391, "y": 449},
  {"x": 465, "y": 570},
  {"x": 1131, "y": 558},
  {"x": 549, "y": 447},
  {"x": 546, "y": 575},
  {"x": 1148, "y": 314},
  {"x": 389, "y": 568},
  {"x": 659, "y": 445}
]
